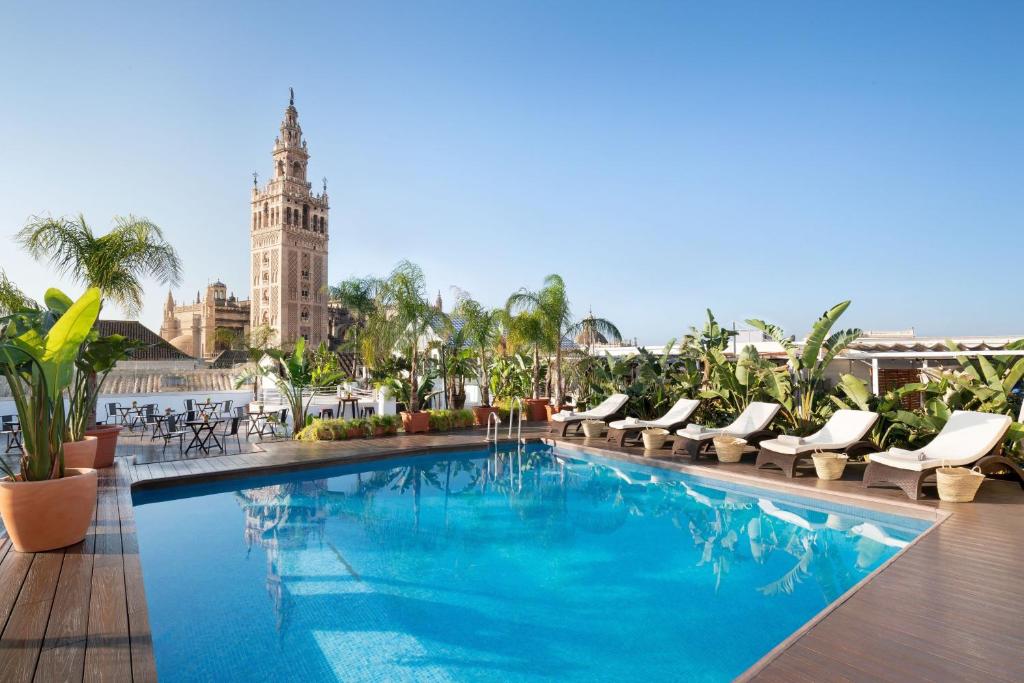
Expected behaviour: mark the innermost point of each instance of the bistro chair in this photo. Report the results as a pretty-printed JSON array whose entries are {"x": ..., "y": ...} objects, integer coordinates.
[
  {"x": 113, "y": 417},
  {"x": 278, "y": 419},
  {"x": 190, "y": 405},
  {"x": 225, "y": 409},
  {"x": 231, "y": 429},
  {"x": 9, "y": 426},
  {"x": 173, "y": 432}
]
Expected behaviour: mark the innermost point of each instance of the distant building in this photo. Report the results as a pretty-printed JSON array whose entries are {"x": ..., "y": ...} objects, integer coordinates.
[
  {"x": 192, "y": 328},
  {"x": 289, "y": 244},
  {"x": 157, "y": 354}
]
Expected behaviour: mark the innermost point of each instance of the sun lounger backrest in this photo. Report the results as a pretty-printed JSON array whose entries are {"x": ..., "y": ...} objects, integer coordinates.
[
  {"x": 754, "y": 417},
  {"x": 682, "y": 410},
  {"x": 845, "y": 426},
  {"x": 609, "y": 406},
  {"x": 967, "y": 436}
]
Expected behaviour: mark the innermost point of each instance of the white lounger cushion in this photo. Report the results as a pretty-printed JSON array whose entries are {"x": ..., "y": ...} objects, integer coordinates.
[
  {"x": 682, "y": 410},
  {"x": 754, "y": 418},
  {"x": 602, "y": 411},
  {"x": 966, "y": 437},
  {"x": 844, "y": 428}
]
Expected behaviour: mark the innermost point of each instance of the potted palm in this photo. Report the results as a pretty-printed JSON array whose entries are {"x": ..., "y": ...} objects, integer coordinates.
[
  {"x": 402, "y": 321},
  {"x": 96, "y": 358},
  {"x": 115, "y": 263},
  {"x": 45, "y": 505}
]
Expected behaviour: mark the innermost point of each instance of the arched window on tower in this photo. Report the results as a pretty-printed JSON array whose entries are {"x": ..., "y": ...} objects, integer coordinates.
[
  {"x": 305, "y": 215},
  {"x": 280, "y": 169},
  {"x": 287, "y": 215},
  {"x": 297, "y": 169}
]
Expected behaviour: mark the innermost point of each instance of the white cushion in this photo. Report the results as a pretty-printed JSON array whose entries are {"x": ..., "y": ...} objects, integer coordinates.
[
  {"x": 755, "y": 417},
  {"x": 602, "y": 411},
  {"x": 965, "y": 438},
  {"x": 676, "y": 414}
]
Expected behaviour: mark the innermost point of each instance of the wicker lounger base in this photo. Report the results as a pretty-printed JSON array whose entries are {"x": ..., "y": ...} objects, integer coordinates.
[
  {"x": 912, "y": 481},
  {"x": 560, "y": 427},
  {"x": 788, "y": 462},
  {"x": 619, "y": 436},
  {"x": 698, "y": 447}
]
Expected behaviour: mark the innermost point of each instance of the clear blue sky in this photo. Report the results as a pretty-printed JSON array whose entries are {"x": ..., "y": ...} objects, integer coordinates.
[{"x": 761, "y": 159}]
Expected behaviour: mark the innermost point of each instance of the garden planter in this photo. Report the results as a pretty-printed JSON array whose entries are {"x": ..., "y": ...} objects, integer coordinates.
[
  {"x": 51, "y": 514},
  {"x": 354, "y": 433},
  {"x": 551, "y": 410},
  {"x": 106, "y": 443},
  {"x": 81, "y": 453},
  {"x": 379, "y": 431},
  {"x": 416, "y": 422},
  {"x": 535, "y": 409},
  {"x": 481, "y": 414}
]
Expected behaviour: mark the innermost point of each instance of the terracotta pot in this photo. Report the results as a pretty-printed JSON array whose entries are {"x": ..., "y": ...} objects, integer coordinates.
[
  {"x": 51, "y": 514},
  {"x": 355, "y": 433},
  {"x": 482, "y": 413},
  {"x": 551, "y": 410},
  {"x": 416, "y": 422},
  {"x": 106, "y": 445},
  {"x": 81, "y": 453},
  {"x": 379, "y": 431},
  {"x": 535, "y": 409}
]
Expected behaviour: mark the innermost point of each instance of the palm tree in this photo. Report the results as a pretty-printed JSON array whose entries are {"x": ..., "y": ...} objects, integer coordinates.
[
  {"x": 551, "y": 302},
  {"x": 358, "y": 295},
  {"x": 480, "y": 329},
  {"x": 116, "y": 262},
  {"x": 11, "y": 297},
  {"x": 401, "y": 320},
  {"x": 526, "y": 329}
]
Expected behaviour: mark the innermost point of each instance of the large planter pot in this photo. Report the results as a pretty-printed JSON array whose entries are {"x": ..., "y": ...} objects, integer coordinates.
[
  {"x": 551, "y": 410},
  {"x": 51, "y": 514},
  {"x": 106, "y": 446},
  {"x": 416, "y": 422},
  {"x": 536, "y": 410},
  {"x": 81, "y": 453},
  {"x": 355, "y": 433},
  {"x": 482, "y": 413}
]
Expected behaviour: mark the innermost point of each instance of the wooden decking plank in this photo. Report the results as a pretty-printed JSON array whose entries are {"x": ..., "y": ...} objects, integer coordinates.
[
  {"x": 23, "y": 635},
  {"x": 108, "y": 652}
]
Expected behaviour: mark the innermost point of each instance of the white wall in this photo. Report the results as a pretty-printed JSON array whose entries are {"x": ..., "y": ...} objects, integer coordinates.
[{"x": 175, "y": 400}]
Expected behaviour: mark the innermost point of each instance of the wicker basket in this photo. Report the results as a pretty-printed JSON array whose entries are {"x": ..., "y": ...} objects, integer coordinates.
[
  {"x": 654, "y": 438},
  {"x": 958, "y": 484},
  {"x": 593, "y": 428},
  {"x": 729, "y": 448},
  {"x": 830, "y": 466}
]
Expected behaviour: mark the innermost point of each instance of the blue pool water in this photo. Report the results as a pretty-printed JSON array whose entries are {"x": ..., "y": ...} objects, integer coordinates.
[{"x": 519, "y": 565}]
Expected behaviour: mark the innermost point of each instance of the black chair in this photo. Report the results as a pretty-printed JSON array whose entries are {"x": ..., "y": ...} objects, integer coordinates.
[
  {"x": 113, "y": 417},
  {"x": 278, "y": 419},
  {"x": 231, "y": 429},
  {"x": 190, "y": 416},
  {"x": 12, "y": 429},
  {"x": 190, "y": 405},
  {"x": 326, "y": 413},
  {"x": 148, "y": 416},
  {"x": 172, "y": 432},
  {"x": 225, "y": 409},
  {"x": 367, "y": 411}
]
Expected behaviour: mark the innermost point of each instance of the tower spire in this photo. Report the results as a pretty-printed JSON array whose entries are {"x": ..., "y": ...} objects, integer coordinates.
[{"x": 291, "y": 97}]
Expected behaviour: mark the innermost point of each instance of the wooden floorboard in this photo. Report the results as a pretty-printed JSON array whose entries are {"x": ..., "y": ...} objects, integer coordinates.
[{"x": 947, "y": 609}]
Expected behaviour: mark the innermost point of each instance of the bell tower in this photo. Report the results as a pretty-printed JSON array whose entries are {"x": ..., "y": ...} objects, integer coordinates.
[{"x": 288, "y": 273}]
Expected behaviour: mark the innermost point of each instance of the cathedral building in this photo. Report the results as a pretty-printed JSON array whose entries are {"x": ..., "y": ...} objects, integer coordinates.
[
  {"x": 288, "y": 267},
  {"x": 289, "y": 245},
  {"x": 192, "y": 328}
]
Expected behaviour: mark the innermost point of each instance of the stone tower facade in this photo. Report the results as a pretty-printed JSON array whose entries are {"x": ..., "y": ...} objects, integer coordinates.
[{"x": 289, "y": 244}]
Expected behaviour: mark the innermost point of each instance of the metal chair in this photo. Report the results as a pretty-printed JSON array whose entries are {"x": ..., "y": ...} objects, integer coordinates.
[
  {"x": 113, "y": 417},
  {"x": 231, "y": 429},
  {"x": 10, "y": 427},
  {"x": 280, "y": 418},
  {"x": 190, "y": 405},
  {"x": 225, "y": 409},
  {"x": 173, "y": 433},
  {"x": 367, "y": 411},
  {"x": 326, "y": 413}
]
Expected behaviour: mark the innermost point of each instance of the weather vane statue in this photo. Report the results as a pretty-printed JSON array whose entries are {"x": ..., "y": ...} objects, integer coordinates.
[
  {"x": 291, "y": 97},
  {"x": 325, "y": 184},
  {"x": 255, "y": 178}
]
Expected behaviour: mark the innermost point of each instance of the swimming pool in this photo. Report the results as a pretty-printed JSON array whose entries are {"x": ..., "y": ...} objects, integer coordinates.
[{"x": 516, "y": 565}]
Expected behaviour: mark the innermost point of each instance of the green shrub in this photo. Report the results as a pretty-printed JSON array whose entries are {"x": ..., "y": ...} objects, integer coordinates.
[{"x": 440, "y": 420}]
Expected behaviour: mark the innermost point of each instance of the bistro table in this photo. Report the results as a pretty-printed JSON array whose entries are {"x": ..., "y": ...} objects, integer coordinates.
[
  {"x": 202, "y": 432},
  {"x": 130, "y": 416},
  {"x": 258, "y": 423},
  {"x": 159, "y": 424},
  {"x": 12, "y": 428},
  {"x": 207, "y": 408}
]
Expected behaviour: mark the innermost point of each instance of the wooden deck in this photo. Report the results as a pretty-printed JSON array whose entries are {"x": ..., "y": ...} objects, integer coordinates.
[{"x": 946, "y": 609}]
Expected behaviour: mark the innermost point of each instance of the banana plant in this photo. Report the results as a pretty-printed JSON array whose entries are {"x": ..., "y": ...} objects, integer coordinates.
[
  {"x": 807, "y": 364},
  {"x": 749, "y": 378},
  {"x": 38, "y": 348},
  {"x": 893, "y": 427},
  {"x": 96, "y": 358}
]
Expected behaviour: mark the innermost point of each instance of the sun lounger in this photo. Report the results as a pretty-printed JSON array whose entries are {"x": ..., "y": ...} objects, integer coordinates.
[
  {"x": 843, "y": 432},
  {"x": 751, "y": 425},
  {"x": 677, "y": 416},
  {"x": 968, "y": 438},
  {"x": 604, "y": 411}
]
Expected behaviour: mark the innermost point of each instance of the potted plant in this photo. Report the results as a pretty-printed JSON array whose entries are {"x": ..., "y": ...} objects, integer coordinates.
[
  {"x": 96, "y": 358},
  {"x": 356, "y": 429},
  {"x": 45, "y": 505}
]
